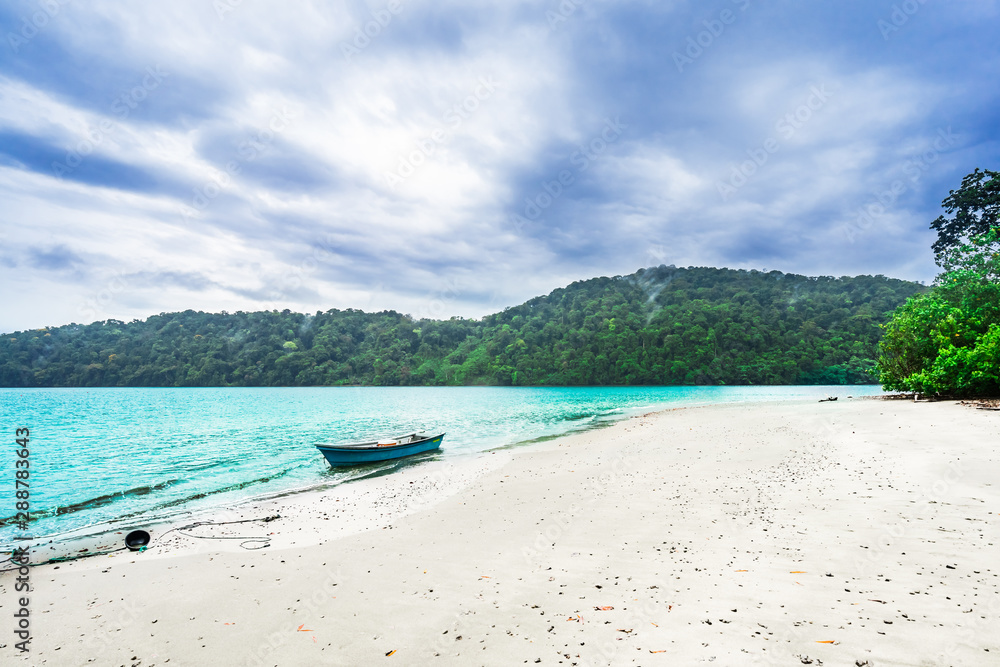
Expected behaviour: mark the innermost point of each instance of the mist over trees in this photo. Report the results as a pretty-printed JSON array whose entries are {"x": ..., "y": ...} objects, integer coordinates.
[{"x": 662, "y": 325}]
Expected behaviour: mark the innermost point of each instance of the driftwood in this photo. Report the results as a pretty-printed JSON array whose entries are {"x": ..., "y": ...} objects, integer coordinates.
[{"x": 991, "y": 404}]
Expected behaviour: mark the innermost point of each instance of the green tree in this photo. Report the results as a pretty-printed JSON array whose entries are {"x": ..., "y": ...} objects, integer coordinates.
[
  {"x": 947, "y": 342},
  {"x": 663, "y": 325},
  {"x": 974, "y": 209}
]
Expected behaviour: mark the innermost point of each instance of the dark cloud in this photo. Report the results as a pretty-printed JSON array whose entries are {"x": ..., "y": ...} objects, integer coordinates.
[
  {"x": 38, "y": 154},
  {"x": 98, "y": 76},
  {"x": 55, "y": 258},
  {"x": 189, "y": 280}
]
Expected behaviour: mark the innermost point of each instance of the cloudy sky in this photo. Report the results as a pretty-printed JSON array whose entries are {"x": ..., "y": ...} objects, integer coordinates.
[{"x": 452, "y": 158}]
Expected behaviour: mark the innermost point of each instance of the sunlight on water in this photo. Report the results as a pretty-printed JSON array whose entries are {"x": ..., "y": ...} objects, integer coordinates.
[{"x": 104, "y": 454}]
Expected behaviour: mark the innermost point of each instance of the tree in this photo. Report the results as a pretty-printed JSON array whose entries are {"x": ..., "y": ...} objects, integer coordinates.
[
  {"x": 948, "y": 340},
  {"x": 979, "y": 256},
  {"x": 658, "y": 326},
  {"x": 974, "y": 207}
]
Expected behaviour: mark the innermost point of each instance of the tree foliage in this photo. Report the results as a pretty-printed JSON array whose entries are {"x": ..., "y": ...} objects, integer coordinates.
[
  {"x": 947, "y": 341},
  {"x": 974, "y": 209},
  {"x": 662, "y": 325}
]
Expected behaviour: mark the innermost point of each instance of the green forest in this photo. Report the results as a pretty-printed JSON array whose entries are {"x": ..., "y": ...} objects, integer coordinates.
[
  {"x": 946, "y": 341},
  {"x": 663, "y": 325}
]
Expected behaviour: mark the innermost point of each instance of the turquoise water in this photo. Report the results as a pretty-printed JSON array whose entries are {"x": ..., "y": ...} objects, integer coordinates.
[{"x": 128, "y": 455}]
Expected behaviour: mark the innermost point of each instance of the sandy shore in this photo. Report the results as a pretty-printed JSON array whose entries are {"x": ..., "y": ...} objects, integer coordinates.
[{"x": 850, "y": 533}]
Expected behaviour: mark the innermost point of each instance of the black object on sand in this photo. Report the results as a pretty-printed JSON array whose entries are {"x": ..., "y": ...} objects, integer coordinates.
[{"x": 136, "y": 540}]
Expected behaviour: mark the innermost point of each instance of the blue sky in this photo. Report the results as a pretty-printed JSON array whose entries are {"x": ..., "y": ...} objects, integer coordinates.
[{"x": 453, "y": 158}]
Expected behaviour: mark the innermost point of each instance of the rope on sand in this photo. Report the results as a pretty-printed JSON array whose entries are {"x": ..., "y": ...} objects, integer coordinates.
[{"x": 261, "y": 542}]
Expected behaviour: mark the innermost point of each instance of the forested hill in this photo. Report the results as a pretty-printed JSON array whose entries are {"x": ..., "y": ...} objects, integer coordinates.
[{"x": 658, "y": 326}]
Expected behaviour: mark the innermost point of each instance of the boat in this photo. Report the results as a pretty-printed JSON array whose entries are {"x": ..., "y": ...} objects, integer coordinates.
[{"x": 380, "y": 450}]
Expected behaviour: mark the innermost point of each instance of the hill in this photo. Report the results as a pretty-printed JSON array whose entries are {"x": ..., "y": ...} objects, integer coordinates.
[{"x": 663, "y": 325}]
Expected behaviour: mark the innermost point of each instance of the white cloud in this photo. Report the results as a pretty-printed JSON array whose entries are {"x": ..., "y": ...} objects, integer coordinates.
[{"x": 397, "y": 105}]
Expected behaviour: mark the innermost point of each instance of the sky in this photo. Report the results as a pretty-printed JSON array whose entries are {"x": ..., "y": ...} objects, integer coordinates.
[{"x": 444, "y": 158}]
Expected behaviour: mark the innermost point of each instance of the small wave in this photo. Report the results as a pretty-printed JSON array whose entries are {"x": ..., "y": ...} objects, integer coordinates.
[
  {"x": 93, "y": 503},
  {"x": 214, "y": 492},
  {"x": 145, "y": 512}
]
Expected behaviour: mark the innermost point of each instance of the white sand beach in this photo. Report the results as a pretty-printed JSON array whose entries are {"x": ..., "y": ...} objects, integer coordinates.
[{"x": 860, "y": 532}]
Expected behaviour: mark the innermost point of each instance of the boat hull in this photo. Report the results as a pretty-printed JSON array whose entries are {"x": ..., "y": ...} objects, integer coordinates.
[{"x": 348, "y": 455}]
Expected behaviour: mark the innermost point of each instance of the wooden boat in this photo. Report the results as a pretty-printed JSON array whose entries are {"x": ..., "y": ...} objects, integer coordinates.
[{"x": 380, "y": 450}]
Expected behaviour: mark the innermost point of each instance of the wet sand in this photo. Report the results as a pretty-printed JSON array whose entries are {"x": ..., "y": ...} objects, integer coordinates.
[{"x": 849, "y": 533}]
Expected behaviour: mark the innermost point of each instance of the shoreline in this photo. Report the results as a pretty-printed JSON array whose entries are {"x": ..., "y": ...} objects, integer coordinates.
[
  {"x": 415, "y": 487},
  {"x": 109, "y": 534},
  {"x": 105, "y": 538},
  {"x": 851, "y": 522}
]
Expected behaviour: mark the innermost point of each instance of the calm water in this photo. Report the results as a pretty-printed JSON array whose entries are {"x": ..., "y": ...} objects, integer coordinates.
[{"x": 126, "y": 455}]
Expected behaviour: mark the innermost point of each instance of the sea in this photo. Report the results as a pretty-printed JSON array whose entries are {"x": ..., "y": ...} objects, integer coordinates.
[{"x": 108, "y": 458}]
